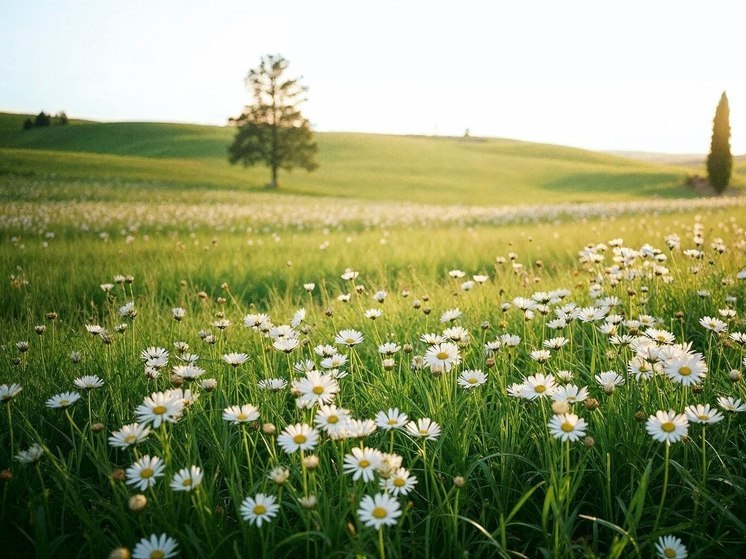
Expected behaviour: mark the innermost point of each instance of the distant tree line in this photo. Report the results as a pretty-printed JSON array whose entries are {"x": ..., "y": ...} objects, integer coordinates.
[{"x": 43, "y": 120}]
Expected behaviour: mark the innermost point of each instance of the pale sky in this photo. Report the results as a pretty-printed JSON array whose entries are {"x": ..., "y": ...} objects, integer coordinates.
[{"x": 599, "y": 74}]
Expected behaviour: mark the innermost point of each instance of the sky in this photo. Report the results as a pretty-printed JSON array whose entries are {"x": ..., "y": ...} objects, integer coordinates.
[{"x": 599, "y": 74}]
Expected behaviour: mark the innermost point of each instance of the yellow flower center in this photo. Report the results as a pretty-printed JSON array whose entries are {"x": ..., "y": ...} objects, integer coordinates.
[
  {"x": 146, "y": 473},
  {"x": 568, "y": 427},
  {"x": 399, "y": 482},
  {"x": 392, "y": 421},
  {"x": 242, "y": 417},
  {"x": 350, "y": 341},
  {"x": 685, "y": 371},
  {"x": 332, "y": 419},
  {"x": 259, "y": 509},
  {"x": 703, "y": 417},
  {"x": 299, "y": 439},
  {"x": 379, "y": 512},
  {"x": 64, "y": 402},
  {"x": 187, "y": 482},
  {"x": 159, "y": 410},
  {"x": 129, "y": 439},
  {"x": 668, "y": 426},
  {"x": 442, "y": 355},
  {"x": 363, "y": 463},
  {"x": 670, "y": 553},
  {"x": 318, "y": 390},
  {"x": 472, "y": 380},
  {"x": 157, "y": 554},
  {"x": 540, "y": 389}
]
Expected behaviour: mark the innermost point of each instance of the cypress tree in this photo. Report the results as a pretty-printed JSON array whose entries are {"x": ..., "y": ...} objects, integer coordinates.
[{"x": 720, "y": 160}]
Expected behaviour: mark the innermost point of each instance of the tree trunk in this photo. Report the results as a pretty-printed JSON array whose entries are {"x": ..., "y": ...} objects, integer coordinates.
[{"x": 274, "y": 183}]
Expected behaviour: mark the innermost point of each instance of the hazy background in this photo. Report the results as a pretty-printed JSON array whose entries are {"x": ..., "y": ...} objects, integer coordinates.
[{"x": 632, "y": 75}]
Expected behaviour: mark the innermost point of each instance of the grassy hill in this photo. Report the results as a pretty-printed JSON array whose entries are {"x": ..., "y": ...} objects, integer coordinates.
[{"x": 415, "y": 168}]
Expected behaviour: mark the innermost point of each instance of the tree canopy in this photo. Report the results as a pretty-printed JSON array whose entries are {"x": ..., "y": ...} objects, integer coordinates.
[
  {"x": 272, "y": 129},
  {"x": 720, "y": 160}
]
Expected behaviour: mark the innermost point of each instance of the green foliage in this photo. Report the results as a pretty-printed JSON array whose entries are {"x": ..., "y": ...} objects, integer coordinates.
[
  {"x": 720, "y": 160},
  {"x": 272, "y": 130},
  {"x": 42, "y": 120}
]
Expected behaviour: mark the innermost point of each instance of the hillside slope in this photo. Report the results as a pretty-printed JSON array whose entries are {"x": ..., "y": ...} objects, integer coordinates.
[{"x": 415, "y": 168}]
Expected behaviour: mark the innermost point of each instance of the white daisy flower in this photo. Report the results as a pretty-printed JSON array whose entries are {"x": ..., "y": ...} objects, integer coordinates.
[
  {"x": 88, "y": 382},
  {"x": 362, "y": 463},
  {"x": 391, "y": 419},
  {"x": 160, "y": 407},
  {"x": 130, "y": 434},
  {"x": 670, "y": 547},
  {"x": 378, "y": 511},
  {"x": 704, "y": 414},
  {"x": 567, "y": 427},
  {"x": 259, "y": 509},
  {"x": 424, "y": 428},
  {"x": 472, "y": 378},
  {"x": 63, "y": 400},
  {"x": 298, "y": 437},
  {"x": 241, "y": 414},
  {"x": 143, "y": 473},
  {"x": 187, "y": 479},
  {"x": 667, "y": 426},
  {"x": 401, "y": 482},
  {"x": 160, "y": 547}
]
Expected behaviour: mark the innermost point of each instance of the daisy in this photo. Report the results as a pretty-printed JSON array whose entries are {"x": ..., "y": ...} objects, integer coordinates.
[
  {"x": 442, "y": 356},
  {"x": 153, "y": 353},
  {"x": 331, "y": 419},
  {"x": 309, "y": 286},
  {"x": 480, "y": 278},
  {"x": 372, "y": 314},
  {"x": 63, "y": 400},
  {"x": 714, "y": 324},
  {"x": 703, "y": 414},
  {"x": 334, "y": 362},
  {"x": 258, "y": 509},
  {"x": 389, "y": 348},
  {"x": 541, "y": 355},
  {"x": 187, "y": 479},
  {"x": 609, "y": 378},
  {"x": 425, "y": 428},
  {"x": 30, "y": 455},
  {"x": 349, "y": 275},
  {"x": 298, "y": 437},
  {"x": 178, "y": 314},
  {"x": 235, "y": 359},
  {"x": 401, "y": 482},
  {"x": 450, "y": 315},
  {"x": 570, "y": 393},
  {"x": 686, "y": 369},
  {"x": 738, "y": 337},
  {"x": 128, "y": 435},
  {"x": 160, "y": 407},
  {"x": 161, "y": 547},
  {"x": 350, "y": 338},
  {"x": 667, "y": 426},
  {"x": 538, "y": 386},
  {"x": 378, "y": 511},
  {"x": 318, "y": 388},
  {"x": 432, "y": 339},
  {"x": 472, "y": 378},
  {"x": 457, "y": 334},
  {"x": 358, "y": 428},
  {"x": 286, "y": 345},
  {"x": 728, "y": 403},
  {"x": 660, "y": 336},
  {"x": 8, "y": 392},
  {"x": 298, "y": 317},
  {"x": 279, "y": 475},
  {"x": 241, "y": 414},
  {"x": 274, "y": 384},
  {"x": 128, "y": 310},
  {"x": 362, "y": 463},
  {"x": 88, "y": 382},
  {"x": 555, "y": 343},
  {"x": 391, "y": 419},
  {"x": 256, "y": 321},
  {"x": 567, "y": 427},
  {"x": 143, "y": 473},
  {"x": 325, "y": 350},
  {"x": 670, "y": 547},
  {"x": 510, "y": 340}
]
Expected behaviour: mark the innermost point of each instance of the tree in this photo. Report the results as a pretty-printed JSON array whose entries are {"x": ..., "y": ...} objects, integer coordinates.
[
  {"x": 272, "y": 129},
  {"x": 28, "y": 124},
  {"x": 42, "y": 120},
  {"x": 720, "y": 160},
  {"x": 60, "y": 119}
]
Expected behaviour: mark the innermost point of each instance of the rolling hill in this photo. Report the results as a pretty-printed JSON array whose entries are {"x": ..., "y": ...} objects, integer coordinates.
[{"x": 479, "y": 171}]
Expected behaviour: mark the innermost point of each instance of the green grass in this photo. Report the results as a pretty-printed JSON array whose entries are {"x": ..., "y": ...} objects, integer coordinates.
[{"x": 374, "y": 167}]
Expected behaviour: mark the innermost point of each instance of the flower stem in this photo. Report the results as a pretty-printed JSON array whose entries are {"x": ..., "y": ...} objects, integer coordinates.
[{"x": 665, "y": 486}]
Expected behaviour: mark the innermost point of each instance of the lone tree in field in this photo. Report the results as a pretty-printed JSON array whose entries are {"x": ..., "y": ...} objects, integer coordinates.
[
  {"x": 720, "y": 160},
  {"x": 272, "y": 129}
]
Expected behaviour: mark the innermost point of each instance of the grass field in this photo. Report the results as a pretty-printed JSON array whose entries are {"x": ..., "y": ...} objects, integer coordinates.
[
  {"x": 352, "y": 367},
  {"x": 475, "y": 171}
]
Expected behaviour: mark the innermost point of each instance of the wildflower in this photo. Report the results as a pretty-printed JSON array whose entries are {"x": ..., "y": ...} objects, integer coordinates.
[
  {"x": 567, "y": 427},
  {"x": 401, "y": 482},
  {"x": 358, "y": 428},
  {"x": 308, "y": 501},
  {"x": 538, "y": 386},
  {"x": 686, "y": 368},
  {"x": 541, "y": 355},
  {"x": 187, "y": 479},
  {"x": 298, "y": 437},
  {"x": 178, "y": 314},
  {"x": 480, "y": 278},
  {"x": 472, "y": 378},
  {"x": 273, "y": 384},
  {"x": 63, "y": 400},
  {"x": 425, "y": 428},
  {"x": 378, "y": 511},
  {"x": 457, "y": 334},
  {"x": 130, "y": 434},
  {"x": 350, "y": 338},
  {"x": 94, "y": 329},
  {"x": 670, "y": 547},
  {"x": 325, "y": 350},
  {"x": 8, "y": 392},
  {"x": 450, "y": 315},
  {"x": 153, "y": 353},
  {"x": 728, "y": 403},
  {"x": 279, "y": 475},
  {"x": 317, "y": 388},
  {"x": 555, "y": 343},
  {"x": 241, "y": 414},
  {"x": 30, "y": 455},
  {"x": 259, "y": 509},
  {"x": 298, "y": 317},
  {"x": 372, "y": 314},
  {"x": 160, "y": 547},
  {"x": 703, "y": 414},
  {"x": 391, "y": 419},
  {"x": 128, "y": 310},
  {"x": 88, "y": 382},
  {"x": 667, "y": 426},
  {"x": 713, "y": 324},
  {"x": 349, "y": 275},
  {"x": 143, "y": 473},
  {"x": 609, "y": 379},
  {"x": 362, "y": 463},
  {"x": 442, "y": 356},
  {"x": 309, "y": 286},
  {"x": 389, "y": 348},
  {"x": 235, "y": 359},
  {"x": 570, "y": 394},
  {"x": 160, "y": 407},
  {"x": 331, "y": 419}
]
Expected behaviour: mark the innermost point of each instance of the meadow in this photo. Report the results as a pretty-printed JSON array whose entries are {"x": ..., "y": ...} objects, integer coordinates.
[{"x": 363, "y": 364}]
